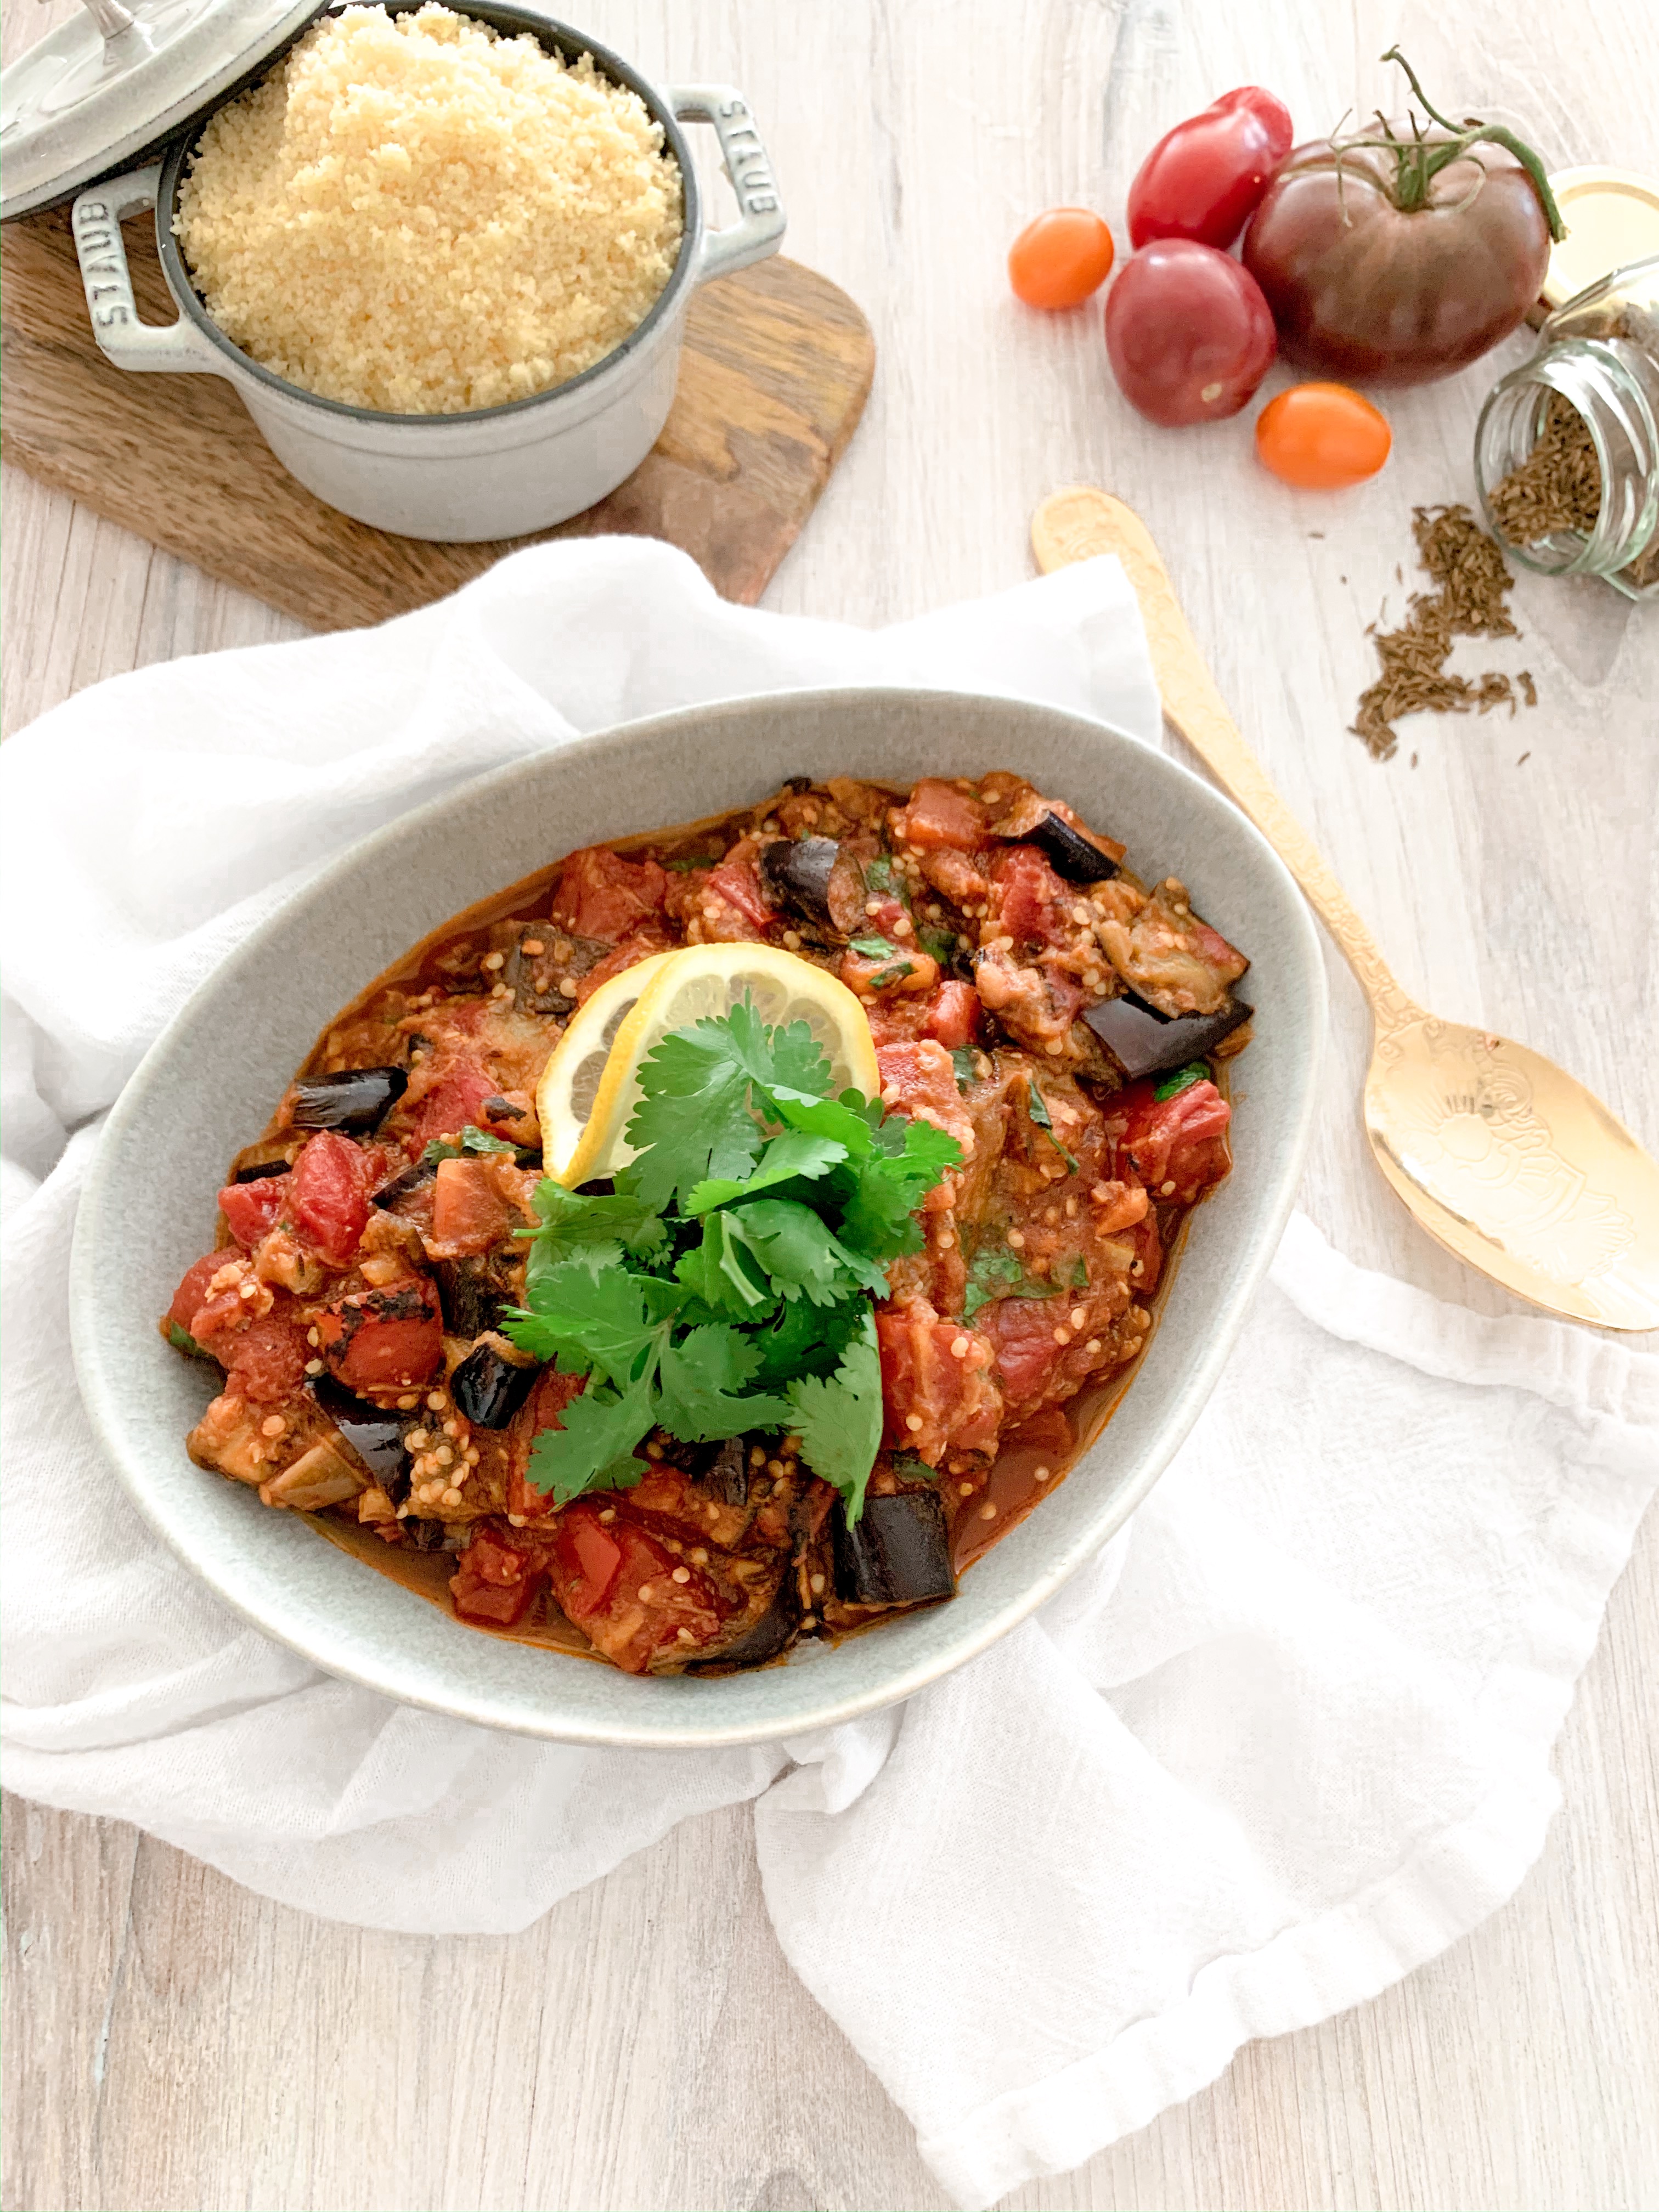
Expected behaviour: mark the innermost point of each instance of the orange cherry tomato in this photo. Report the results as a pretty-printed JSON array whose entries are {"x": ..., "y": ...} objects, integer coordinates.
[
  {"x": 1321, "y": 436},
  {"x": 1058, "y": 259}
]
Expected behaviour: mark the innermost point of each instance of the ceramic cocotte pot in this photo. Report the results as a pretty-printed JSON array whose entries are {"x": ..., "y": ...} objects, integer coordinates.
[{"x": 495, "y": 472}]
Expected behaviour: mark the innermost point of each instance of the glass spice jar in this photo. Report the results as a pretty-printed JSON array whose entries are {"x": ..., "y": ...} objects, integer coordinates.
[{"x": 1566, "y": 450}]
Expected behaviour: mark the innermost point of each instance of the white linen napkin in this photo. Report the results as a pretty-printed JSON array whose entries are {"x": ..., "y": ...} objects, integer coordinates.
[{"x": 1287, "y": 1739}]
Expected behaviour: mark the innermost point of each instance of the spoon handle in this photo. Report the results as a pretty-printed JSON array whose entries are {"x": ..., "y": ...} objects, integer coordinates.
[{"x": 1077, "y": 523}]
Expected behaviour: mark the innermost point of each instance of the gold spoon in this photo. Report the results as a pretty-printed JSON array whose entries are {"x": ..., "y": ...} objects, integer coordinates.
[{"x": 1502, "y": 1155}]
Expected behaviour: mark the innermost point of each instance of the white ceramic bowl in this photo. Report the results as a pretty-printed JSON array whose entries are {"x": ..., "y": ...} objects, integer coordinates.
[
  {"x": 497, "y": 472},
  {"x": 212, "y": 1079}
]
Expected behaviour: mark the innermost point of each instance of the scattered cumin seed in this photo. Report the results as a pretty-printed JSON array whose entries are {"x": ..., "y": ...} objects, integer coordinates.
[{"x": 1471, "y": 600}]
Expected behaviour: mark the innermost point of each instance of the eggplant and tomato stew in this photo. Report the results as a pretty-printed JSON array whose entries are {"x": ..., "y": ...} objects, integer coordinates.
[{"x": 805, "y": 1357}]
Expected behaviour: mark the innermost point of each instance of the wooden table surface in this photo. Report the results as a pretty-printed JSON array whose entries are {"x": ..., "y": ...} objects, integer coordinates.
[{"x": 175, "y": 2042}]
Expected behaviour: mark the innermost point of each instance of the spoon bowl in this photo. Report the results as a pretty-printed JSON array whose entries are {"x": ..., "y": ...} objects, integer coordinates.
[{"x": 1500, "y": 1155}]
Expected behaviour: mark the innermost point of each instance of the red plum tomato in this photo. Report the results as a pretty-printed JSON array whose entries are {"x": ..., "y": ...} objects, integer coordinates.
[
  {"x": 1060, "y": 258},
  {"x": 1188, "y": 332},
  {"x": 1321, "y": 436},
  {"x": 1202, "y": 178}
]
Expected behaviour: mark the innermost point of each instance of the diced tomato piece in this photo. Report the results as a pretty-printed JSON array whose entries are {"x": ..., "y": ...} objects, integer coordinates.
[
  {"x": 495, "y": 1578},
  {"x": 191, "y": 1294},
  {"x": 1026, "y": 895},
  {"x": 267, "y": 1360},
  {"x": 253, "y": 1209},
  {"x": 586, "y": 1560},
  {"x": 474, "y": 1206},
  {"x": 1176, "y": 1147},
  {"x": 921, "y": 1374},
  {"x": 453, "y": 1103},
  {"x": 1023, "y": 1331},
  {"x": 601, "y": 895},
  {"x": 953, "y": 1019},
  {"x": 938, "y": 814},
  {"x": 919, "y": 1079},
  {"x": 377, "y": 1339},
  {"x": 550, "y": 1394},
  {"x": 327, "y": 1195},
  {"x": 737, "y": 882},
  {"x": 638, "y": 944}
]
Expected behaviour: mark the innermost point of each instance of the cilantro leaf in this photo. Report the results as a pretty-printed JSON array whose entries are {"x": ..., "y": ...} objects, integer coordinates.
[
  {"x": 995, "y": 1273},
  {"x": 848, "y": 1121},
  {"x": 895, "y": 973},
  {"x": 593, "y": 1315},
  {"x": 795, "y": 1155},
  {"x": 891, "y": 1184},
  {"x": 882, "y": 878},
  {"x": 594, "y": 1447},
  {"x": 570, "y": 1222},
  {"x": 939, "y": 944},
  {"x": 724, "y": 1274},
  {"x": 806, "y": 1339},
  {"x": 839, "y": 1418},
  {"x": 702, "y": 1379},
  {"x": 470, "y": 1139},
  {"x": 802, "y": 1253},
  {"x": 1038, "y": 1106},
  {"x": 696, "y": 1117},
  {"x": 910, "y": 1468},
  {"x": 965, "y": 1060},
  {"x": 1182, "y": 1079},
  {"x": 874, "y": 948}
]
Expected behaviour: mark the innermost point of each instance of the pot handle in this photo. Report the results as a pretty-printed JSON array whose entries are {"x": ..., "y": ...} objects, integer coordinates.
[
  {"x": 760, "y": 224},
  {"x": 95, "y": 222}
]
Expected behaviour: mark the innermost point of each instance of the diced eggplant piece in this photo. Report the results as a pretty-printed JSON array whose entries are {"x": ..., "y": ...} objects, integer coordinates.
[
  {"x": 489, "y": 1388},
  {"x": 772, "y": 1633},
  {"x": 899, "y": 1554},
  {"x": 261, "y": 1171},
  {"x": 472, "y": 1299},
  {"x": 423, "y": 1172},
  {"x": 1143, "y": 1042},
  {"x": 355, "y": 1100},
  {"x": 528, "y": 1156},
  {"x": 795, "y": 875},
  {"x": 1069, "y": 852},
  {"x": 800, "y": 785},
  {"x": 726, "y": 1477},
  {"x": 374, "y": 1435}
]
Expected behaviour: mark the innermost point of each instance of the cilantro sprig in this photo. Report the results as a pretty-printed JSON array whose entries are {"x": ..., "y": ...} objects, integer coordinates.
[{"x": 724, "y": 1283}]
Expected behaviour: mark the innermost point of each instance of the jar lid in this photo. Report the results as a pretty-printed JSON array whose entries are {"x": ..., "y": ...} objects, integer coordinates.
[
  {"x": 115, "y": 82},
  {"x": 1613, "y": 219}
]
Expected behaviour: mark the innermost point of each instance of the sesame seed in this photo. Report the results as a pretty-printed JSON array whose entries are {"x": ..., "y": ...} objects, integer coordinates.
[
  {"x": 1166, "y": 1188},
  {"x": 697, "y": 1556},
  {"x": 946, "y": 1240},
  {"x": 312, "y": 1337},
  {"x": 452, "y": 1429},
  {"x": 965, "y": 1489},
  {"x": 1071, "y": 1209},
  {"x": 1093, "y": 1347},
  {"x": 435, "y": 1399},
  {"x": 567, "y": 985},
  {"x": 1079, "y": 1316},
  {"x": 1100, "y": 1193},
  {"x": 1041, "y": 1473},
  {"x": 987, "y": 1511},
  {"x": 471, "y": 1455},
  {"x": 817, "y": 1585},
  {"x": 685, "y": 1636},
  {"x": 757, "y": 1457},
  {"x": 1055, "y": 1045},
  {"x": 314, "y": 1367},
  {"x": 873, "y": 906},
  {"x": 645, "y": 1593},
  {"x": 809, "y": 1620},
  {"x": 249, "y": 1291},
  {"x": 443, "y": 1454},
  {"x": 450, "y": 1497},
  {"x": 609, "y": 1514},
  {"x": 958, "y": 1347},
  {"x": 1062, "y": 1336},
  {"x": 775, "y": 1467},
  {"x": 516, "y": 1519},
  {"x": 1017, "y": 1238},
  {"x": 1051, "y": 1213},
  {"x": 407, "y": 1404},
  {"x": 272, "y": 1426},
  {"x": 493, "y": 961},
  {"x": 653, "y": 1449},
  {"x": 902, "y": 927},
  {"x": 681, "y": 1575},
  {"x": 533, "y": 946},
  {"x": 913, "y": 1422},
  {"x": 417, "y": 1440},
  {"x": 791, "y": 939},
  {"x": 1081, "y": 915}
]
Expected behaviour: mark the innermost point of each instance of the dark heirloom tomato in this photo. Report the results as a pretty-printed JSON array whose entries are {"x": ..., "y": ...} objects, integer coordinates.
[
  {"x": 1187, "y": 331},
  {"x": 1202, "y": 178}
]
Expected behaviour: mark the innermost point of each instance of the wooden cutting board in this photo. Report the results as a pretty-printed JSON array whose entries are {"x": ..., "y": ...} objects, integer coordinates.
[{"x": 776, "y": 371}]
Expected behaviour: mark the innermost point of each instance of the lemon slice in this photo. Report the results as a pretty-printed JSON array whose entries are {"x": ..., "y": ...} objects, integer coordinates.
[
  {"x": 580, "y": 1117},
  {"x": 585, "y": 1107}
]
